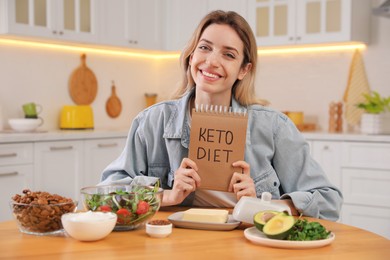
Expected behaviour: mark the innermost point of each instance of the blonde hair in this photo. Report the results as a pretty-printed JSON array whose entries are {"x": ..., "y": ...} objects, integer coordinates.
[{"x": 243, "y": 90}]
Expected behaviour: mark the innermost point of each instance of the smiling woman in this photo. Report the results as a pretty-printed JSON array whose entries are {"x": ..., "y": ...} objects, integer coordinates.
[{"x": 218, "y": 69}]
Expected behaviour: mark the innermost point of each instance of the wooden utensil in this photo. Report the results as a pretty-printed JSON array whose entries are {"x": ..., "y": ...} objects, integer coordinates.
[
  {"x": 113, "y": 104},
  {"x": 83, "y": 84}
]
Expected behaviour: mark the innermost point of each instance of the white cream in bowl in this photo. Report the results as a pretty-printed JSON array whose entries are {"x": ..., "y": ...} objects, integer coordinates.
[{"x": 89, "y": 226}]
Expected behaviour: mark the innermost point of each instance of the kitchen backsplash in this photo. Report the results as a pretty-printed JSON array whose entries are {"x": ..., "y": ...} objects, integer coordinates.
[{"x": 291, "y": 82}]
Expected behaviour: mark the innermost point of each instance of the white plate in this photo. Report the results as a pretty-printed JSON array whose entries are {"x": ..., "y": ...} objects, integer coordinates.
[
  {"x": 258, "y": 237},
  {"x": 176, "y": 219}
]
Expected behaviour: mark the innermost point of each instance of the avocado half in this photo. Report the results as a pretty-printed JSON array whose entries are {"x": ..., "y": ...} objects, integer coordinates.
[
  {"x": 262, "y": 217},
  {"x": 279, "y": 226}
]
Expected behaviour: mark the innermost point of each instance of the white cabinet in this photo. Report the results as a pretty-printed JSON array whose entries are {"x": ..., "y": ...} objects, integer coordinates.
[
  {"x": 289, "y": 22},
  {"x": 132, "y": 23},
  {"x": 239, "y": 7},
  {"x": 328, "y": 155},
  {"x": 365, "y": 185},
  {"x": 181, "y": 19},
  {"x": 16, "y": 173},
  {"x": 374, "y": 219},
  {"x": 62, "y": 165},
  {"x": 70, "y": 20},
  {"x": 65, "y": 167},
  {"x": 59, "y": 167},
  {"x": 169, "y": 24},
  {"x": 361, "y": 169},
  {"x": 98, "y": 154}
]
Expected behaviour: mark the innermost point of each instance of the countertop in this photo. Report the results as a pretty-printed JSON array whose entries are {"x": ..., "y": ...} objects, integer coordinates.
[
  {"x": 349, "y": 243},
  {"x": 8, "y": 136},
  {"x": 348, "y": 137}
]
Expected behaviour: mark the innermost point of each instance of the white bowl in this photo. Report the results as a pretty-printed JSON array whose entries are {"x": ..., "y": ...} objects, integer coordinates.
[
  {"x": 158, "y": 230},
  {"x": 89, "y": 226},
  {"x": 24, "y": 124}
]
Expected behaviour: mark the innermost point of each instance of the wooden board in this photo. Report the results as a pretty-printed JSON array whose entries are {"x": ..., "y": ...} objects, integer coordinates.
[
  {"x": 83, "y": 84},
  {"x": 113, "y": 104},
  {"x": 307, "y": 127}
]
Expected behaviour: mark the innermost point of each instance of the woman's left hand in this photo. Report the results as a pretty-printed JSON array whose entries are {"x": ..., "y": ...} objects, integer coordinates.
[{"x": 241, "y": 183}]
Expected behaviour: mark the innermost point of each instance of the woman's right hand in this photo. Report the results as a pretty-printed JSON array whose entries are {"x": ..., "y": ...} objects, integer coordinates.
[{"x": 186, "y": 181}]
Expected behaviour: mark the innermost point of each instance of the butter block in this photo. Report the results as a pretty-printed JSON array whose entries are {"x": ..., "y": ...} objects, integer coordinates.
[{"x": 206, "y": 215}]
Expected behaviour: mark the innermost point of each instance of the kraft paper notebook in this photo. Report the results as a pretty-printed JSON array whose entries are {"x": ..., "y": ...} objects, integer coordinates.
[{"x": 217, "y": 140}]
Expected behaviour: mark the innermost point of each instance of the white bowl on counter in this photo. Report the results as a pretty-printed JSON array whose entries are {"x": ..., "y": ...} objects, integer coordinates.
[
  {"x": 89, "y": 226},
  {"x": 25, "y": 124},
  {"x": 158, "y": 228}
]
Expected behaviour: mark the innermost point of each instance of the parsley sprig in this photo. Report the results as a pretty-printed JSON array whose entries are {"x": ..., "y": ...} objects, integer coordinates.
[{"x": 304, "y": 230}]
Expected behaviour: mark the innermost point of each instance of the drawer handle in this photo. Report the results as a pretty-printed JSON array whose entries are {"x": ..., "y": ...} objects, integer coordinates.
[
  {"x": 107, "y": 145},
  {"x": 8, "y": 173},
  {"x": 8, "y": 155},
  {"x": 59, "y": 148}
]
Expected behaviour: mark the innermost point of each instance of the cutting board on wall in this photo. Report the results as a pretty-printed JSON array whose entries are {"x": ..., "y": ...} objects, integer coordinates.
[
  {"x": 83, "y": 84},
  {"x": 113, "y": 104}
]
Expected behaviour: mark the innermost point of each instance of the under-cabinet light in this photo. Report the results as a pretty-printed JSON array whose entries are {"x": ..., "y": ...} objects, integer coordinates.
[
  {"x": 311, "y": 49},
  {"x": 174, "y": 55},
  {"x": 88, "y": 49}
]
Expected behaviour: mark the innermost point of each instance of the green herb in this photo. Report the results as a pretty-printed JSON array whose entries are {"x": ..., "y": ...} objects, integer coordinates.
[
  {"x": 375, "y": 104},
  {"x": 304, "y": 230}
]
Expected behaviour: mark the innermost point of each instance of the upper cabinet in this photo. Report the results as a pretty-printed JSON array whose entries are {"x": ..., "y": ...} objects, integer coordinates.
[
  {"x": 289, "y": 22},
  {"x": 131, "y": 23},
  {"x": 70, "y": 20},
  {"x": 169, "y": 24},
  {"x": 181, "y": 19}
]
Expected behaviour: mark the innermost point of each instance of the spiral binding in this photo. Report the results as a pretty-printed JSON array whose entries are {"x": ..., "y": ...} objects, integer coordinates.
[{"x": 220, "y": 110}]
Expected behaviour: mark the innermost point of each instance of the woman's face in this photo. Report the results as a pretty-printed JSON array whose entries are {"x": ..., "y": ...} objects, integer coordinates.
[{"x": 216, "y": 61}]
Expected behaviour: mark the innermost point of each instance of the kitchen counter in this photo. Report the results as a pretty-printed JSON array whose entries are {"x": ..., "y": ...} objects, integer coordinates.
[
  {"x": 325, "y": 136},
  {"x": 8, "y": 136},
  {"x": 350, "y": 243}
]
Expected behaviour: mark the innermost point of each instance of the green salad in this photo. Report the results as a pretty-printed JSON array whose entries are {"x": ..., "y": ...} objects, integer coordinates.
[{"x": 131, "y": 207}]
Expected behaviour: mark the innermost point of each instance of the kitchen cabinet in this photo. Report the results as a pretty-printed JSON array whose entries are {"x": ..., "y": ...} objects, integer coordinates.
[
  {"x": 98, "y": 154},
  {"x": 365, "y": 183},
  {"x": 291, "y": 22},
  {"x": 239, "y": 7},
  {"x": 361, "y": 169},
  {"x": 58, "y": 162},
  {"x": 63, "y": 20},
  {"x": 181, "y": 19},
  {"x": 132, "y": 23},
  {"x": 328, "y": 155},
  {"x": 64, "y": 167},
  {"x": 59, "y": 167},
  {"x": 16, "y": 173}
]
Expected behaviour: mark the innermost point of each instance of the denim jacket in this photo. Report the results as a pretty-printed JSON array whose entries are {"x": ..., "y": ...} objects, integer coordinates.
[{"x": 278, "y": 155}]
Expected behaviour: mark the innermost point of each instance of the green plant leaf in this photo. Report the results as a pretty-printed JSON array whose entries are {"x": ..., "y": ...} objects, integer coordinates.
[{"x": 375, "y": 103}]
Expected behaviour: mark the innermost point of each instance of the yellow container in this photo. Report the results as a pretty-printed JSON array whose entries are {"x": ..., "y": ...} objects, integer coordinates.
[
  {"x": 296, "y": 117},
  {"x": 76, "y": 117},
  {"x": 150, "y": 99}
]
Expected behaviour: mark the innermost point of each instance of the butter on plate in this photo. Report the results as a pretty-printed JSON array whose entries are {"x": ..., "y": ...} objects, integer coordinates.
[{"x": 206, "y": 215}]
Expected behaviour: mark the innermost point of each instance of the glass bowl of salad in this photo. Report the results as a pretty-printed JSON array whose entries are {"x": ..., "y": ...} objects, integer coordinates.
[{"x": 134, "y": 205}]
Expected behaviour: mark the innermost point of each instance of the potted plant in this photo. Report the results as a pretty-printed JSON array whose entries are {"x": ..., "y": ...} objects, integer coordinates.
[{"x": 376, "y": 118}]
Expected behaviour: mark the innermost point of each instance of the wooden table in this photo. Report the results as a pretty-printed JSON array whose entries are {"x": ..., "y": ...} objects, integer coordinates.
[{"x": 350, "y": 243}]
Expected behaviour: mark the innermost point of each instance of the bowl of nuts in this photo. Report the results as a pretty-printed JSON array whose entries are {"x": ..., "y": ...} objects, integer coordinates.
[{"x": 39, "y": 213}]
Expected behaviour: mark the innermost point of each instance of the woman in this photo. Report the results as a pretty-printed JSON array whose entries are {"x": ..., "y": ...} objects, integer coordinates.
[{"x": 219, "y": 66}]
